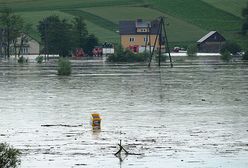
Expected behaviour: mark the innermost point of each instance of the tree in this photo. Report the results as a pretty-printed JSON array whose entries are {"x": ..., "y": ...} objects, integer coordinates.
[
  {"x": 192, "y": 50},
  {"x": 90, "y": 43},
  {"x": 12, "y": 25},
  {"x": 80, "y": 32},
  {"x": 61, "y": 37},
  {"x": 24, "y": 36},
  {"x": 244, "y": 13},
  {"x": 226, "y": 56},
  {"x": 56, "y": 35},
  {"x": 9, "y": 157},
  {"x": 231, "y": 47},
  {"x": 81, "y": 36}
]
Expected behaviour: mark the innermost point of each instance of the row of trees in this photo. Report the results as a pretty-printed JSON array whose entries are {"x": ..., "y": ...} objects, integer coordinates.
[
  {"x": 12, "y": 27},
  {"x": 61, "y": 37},
  {"x": 58, "y": 36}
]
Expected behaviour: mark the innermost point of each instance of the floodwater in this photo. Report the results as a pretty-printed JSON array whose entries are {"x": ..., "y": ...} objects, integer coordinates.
[{"x": 193, "y": 115}]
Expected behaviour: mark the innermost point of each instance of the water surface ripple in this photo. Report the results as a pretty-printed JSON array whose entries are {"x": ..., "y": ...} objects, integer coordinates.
[{"x": 192, "y": 115}]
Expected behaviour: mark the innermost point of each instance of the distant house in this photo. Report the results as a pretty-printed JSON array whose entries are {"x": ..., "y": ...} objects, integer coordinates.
[
  {"x": 24, "y": 44},
  {"x": 30, "y": 46},
  {"x": 211, "y": 42},
  {"x": 138, "y": 35}
]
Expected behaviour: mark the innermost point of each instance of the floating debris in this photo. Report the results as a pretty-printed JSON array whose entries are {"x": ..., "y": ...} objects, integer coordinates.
[{"x": 60, "y": 125}]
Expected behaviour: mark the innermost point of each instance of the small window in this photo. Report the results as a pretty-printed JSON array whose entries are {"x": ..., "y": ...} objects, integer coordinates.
[{"x": 131, "y": 39}]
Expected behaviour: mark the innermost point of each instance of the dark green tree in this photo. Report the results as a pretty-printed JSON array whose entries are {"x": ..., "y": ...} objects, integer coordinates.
[
  {"x": 80, "y": 32},
  {"x": 81, "y": 37},
  {"x": 245, "y": 15},
  {"x": 11, "y": 25},
  {"x": 90, "y": 43},
  {"x": 231, "y": 47},
  {"x": 56, "y": 35}
]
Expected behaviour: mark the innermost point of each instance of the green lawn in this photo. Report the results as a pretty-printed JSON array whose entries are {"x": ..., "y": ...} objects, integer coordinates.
[{"x": 231, "y": 6}]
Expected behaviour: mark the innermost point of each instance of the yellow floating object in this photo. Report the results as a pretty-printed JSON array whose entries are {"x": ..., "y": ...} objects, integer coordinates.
[{"x": 95, "y": 120}]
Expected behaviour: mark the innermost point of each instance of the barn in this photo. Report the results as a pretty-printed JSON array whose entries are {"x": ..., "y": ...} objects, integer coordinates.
[{"x": 211, "y": 43}]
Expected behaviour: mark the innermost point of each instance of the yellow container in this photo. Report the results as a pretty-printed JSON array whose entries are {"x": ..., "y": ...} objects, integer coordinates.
[{"x": 95, "y": 120}]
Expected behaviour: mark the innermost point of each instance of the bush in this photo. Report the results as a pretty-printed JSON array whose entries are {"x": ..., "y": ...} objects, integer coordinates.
[
  {"x": 226, "y": 56},
  {"x": 9, "y": 157},
  {"x": 162, "y": 58},
  {"x": 245, "y": 56},
  {"x": 64, "y": 67},
  {"x": 127, "y": 56},
  {"x": 232, "y": 47},
  {"x": 39, "y": 59},
  {"x": 192, "y": 50},
  {"x": 22, "y": 60}
]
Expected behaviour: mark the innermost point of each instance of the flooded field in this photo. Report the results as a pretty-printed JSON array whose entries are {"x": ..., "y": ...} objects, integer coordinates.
[{"x": 193, "y": 115}]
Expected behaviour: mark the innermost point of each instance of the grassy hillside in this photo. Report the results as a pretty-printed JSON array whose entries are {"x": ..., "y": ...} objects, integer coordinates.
[
  {"x": 232, "y": 6},
  {"x": 188, "y": 19},
  {"x": 178, "y": 30},
  {"x": 199, "y": 13},
  {"x": 204, "y": 15},
  {"x": 40, "y": 5},
  {"x": 35, "y": 17}
]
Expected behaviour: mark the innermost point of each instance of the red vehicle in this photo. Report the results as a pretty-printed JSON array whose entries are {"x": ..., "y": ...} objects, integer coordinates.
[
  {"x": 134, "y": 48},
  {"x": 97, "y": 52},
  {"x": 79, "y": 52}
]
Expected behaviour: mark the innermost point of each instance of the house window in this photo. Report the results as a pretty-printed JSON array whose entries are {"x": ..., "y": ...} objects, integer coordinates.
[
  {"x": 131, "y": 39},
  {"x": 24, "y": 51}
]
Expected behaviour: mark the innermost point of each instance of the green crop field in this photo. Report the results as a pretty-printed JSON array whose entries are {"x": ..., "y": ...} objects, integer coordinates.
[{"x": 187, "y": 20}]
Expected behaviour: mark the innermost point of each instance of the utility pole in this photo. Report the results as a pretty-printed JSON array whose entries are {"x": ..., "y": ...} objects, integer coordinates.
[
  {"x": 159, "y": 37},
  {"x": 1, "y": 42},
  {"x": 46, "y": 52}
]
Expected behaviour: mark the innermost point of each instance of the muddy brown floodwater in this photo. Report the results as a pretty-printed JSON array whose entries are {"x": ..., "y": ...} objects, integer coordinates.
[{"x": 193, "y": 115}]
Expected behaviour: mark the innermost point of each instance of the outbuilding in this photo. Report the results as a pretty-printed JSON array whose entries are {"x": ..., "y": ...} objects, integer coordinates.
[{"x": 211, "y": 43}]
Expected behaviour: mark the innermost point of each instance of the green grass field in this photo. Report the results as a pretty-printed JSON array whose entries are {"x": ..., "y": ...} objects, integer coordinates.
[{"x": 187, "y": 20}]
